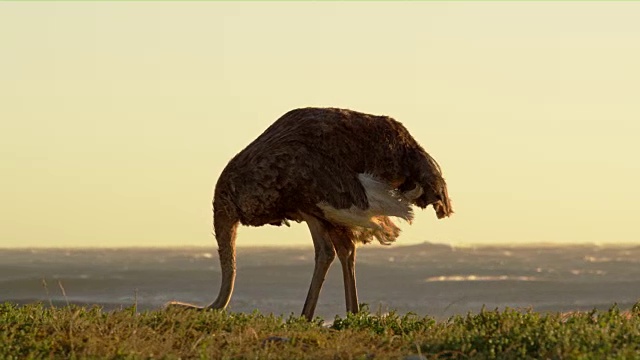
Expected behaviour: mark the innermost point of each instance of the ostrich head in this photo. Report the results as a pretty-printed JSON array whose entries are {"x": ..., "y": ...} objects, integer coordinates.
[{"x": 438, "y": 197}]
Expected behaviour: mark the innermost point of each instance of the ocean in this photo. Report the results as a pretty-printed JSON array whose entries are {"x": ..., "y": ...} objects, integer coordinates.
[{"x": 426, "y": 279}]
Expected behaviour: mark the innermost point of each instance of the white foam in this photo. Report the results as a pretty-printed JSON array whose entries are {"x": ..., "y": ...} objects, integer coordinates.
[{"x": 480, "y": 278}]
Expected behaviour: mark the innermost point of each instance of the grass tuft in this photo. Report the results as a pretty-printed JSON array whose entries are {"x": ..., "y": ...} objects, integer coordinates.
[{"x": 42, "y": 332}]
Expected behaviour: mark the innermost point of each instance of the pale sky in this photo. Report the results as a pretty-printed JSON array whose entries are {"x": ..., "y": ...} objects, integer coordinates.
[{"x": 116, "y": 118}]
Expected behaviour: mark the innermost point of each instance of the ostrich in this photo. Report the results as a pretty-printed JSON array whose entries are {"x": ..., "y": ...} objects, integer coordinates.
[{"x": 342, "y": 172}]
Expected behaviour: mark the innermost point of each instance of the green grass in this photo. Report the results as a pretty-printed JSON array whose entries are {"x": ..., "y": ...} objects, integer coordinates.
[{"x": 36, "y": 331}]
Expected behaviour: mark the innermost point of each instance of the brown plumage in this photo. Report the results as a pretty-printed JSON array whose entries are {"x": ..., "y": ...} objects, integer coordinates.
[{"x": 342, "y": 172}]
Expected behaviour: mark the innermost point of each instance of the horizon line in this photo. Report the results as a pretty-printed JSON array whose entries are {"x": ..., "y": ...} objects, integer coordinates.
[{"x": 310, "y": 246}]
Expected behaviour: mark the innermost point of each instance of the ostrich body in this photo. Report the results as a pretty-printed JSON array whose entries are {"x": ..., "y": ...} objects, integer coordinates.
[{"x": 342, "y": 172}]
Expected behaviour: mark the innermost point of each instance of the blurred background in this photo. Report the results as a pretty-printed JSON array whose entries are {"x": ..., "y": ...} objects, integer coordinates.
[{"x": 118, "y": 117}]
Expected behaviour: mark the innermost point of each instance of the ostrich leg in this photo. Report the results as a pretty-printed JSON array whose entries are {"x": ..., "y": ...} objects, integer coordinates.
[
  {"x": 347, "y": 256},
  {"x": 324, "y": 255}
]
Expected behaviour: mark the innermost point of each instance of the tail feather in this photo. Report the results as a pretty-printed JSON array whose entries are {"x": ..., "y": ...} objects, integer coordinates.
[{"x": 374, "y": 221}]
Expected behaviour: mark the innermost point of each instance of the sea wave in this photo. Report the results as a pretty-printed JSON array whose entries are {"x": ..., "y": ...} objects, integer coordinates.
[{"x": 480, "y": 278}]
